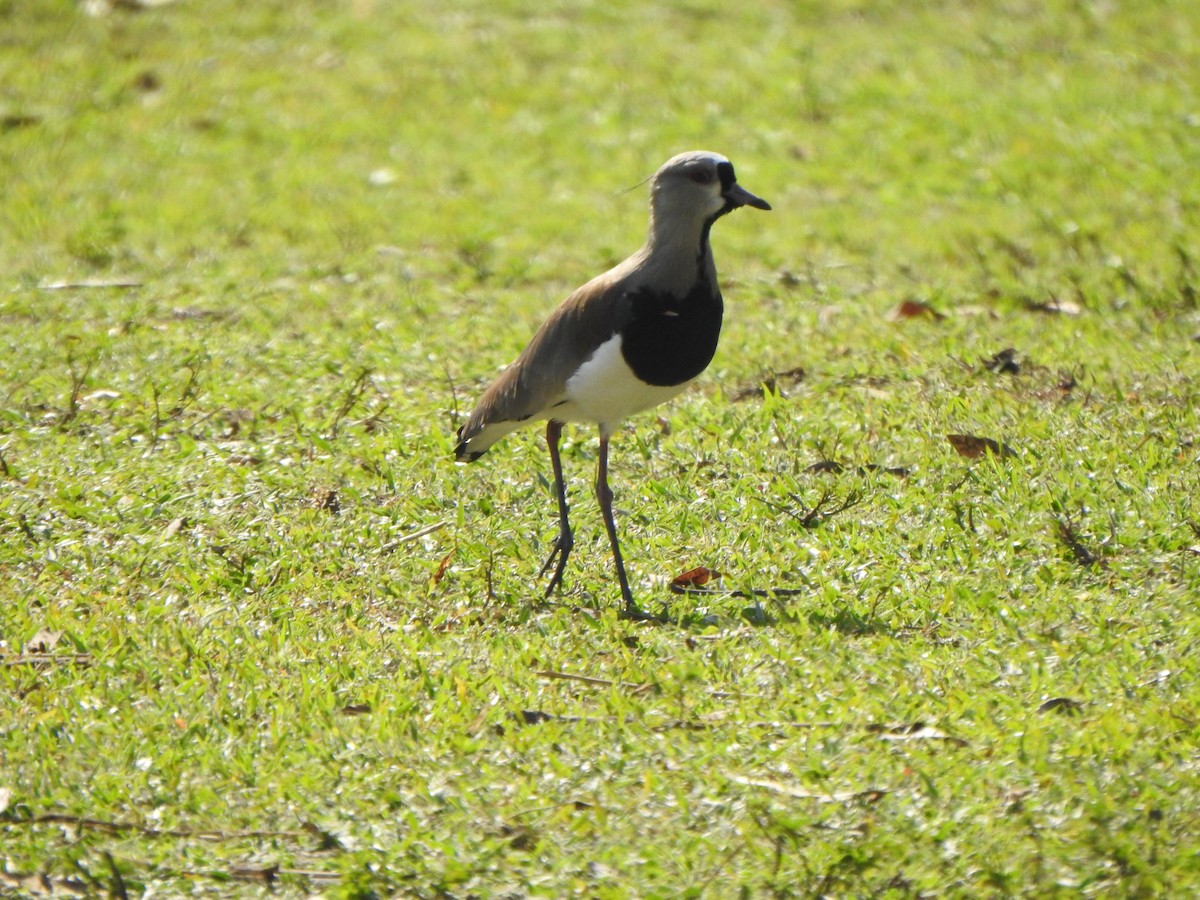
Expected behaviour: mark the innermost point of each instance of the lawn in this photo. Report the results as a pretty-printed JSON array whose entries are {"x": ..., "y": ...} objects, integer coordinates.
[{"x": 259, "y": 635}]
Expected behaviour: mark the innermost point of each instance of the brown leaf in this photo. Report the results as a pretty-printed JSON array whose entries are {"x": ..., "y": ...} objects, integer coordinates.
[
  {"x": 826, "y": 465},
  {"x": 898, "y": 471},
  {"x": 1069, "y": 536},
  {"x": 1003, "y": 363},
  {"x": 1064, "y": 705},
  {"x": 973, "y": 446},
  {"x": 328, "y": 500},
  {"x": 1055, "y": 306},
  {"x": 915, "y": 309},
  {"x": 520, "y": 837},
  {"x": 437, "y": 576},
  {"x": 262, "y": 875},
  {"x": 325, "y": 840},
  {"x": 147, "y": 81},
  {"x": 834, "y": 467},
  {"x": 356, "y": 709},
  {"x": 13, "y": 121},
  {"x": 915, "y": 731},
  {"x": 694, "y": 578},
  {"x": 43, "y": 642},
  {"x": 40, "y": 884},
  {"x": 533, "y": 716}
]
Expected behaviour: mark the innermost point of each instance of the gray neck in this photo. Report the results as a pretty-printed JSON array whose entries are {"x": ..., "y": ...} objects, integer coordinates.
[{"x": 679, "y": 253}]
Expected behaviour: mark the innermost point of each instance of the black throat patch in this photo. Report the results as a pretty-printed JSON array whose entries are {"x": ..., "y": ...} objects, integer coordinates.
[
  {"x": 725, "y": 173},
  {"x": 728, "y": 179}
]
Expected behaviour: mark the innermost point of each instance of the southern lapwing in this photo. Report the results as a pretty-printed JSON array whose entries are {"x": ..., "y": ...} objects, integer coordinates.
[{"x": 626, "y": 341}]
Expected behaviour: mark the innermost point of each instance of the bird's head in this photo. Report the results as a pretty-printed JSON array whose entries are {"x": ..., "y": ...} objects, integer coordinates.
[{"x": 698, "y": 184}]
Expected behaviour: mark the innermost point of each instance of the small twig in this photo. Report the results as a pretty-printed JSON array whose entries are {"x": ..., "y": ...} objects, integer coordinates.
[
  {"x": 577, "y": 804},
  {"x": 311, "y": 874},
  {"x": 46, "y": 659},
  {"x": 156, "y": 423},
  {"x": 711, "y": 875},
  {"x": 819, "y": 512},
  {"x": 78, "y": 380},
  {"x": 537, "y": 717},
  {"x": 489, "y": 576},
  {"x": 870, "y": 794},
  {"x": 597, "y": 682},
  {"x": 126, "y": 827},
  {"x": 371, "y": 422},
  {"x": 1070, "y": 539},
  {"x": 752, "y": 594},
  {"x": 91, "y": 283},
  {"x": 189, "y": 391},
  {"x": 958, "y": 518},
  {"x": 636, "y": 687},
  {"x": 118, "y": 883},
  {"x": 266, "y": 875},
  {"x": 353, "y": 395},
  {"x": 98, "y": 887},
  {"x": 713, "y": 723},
  {"x": 25, "y": 529},
  {"x": 454, "y": 417},
  {"x": 390, "y": 546},
  {"x": 913, "y": 731}
]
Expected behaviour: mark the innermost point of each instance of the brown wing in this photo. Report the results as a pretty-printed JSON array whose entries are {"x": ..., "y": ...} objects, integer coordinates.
[{"x": 537, "y": 380}]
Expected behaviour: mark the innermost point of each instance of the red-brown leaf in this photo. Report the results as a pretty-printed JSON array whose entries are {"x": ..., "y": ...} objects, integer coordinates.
[
  {"x": 442, "y": 567},
  {"x": 973, "y": 446},
  {"x": 694, "y": 578},
  {"x": 915, "y": 309}
]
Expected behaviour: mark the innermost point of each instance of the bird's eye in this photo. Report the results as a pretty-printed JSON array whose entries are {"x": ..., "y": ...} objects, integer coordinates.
[{"x": 701, "y": 176}]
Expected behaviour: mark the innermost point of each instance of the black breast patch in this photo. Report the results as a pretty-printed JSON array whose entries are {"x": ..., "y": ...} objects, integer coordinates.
[{"x": 670, "y": 340}]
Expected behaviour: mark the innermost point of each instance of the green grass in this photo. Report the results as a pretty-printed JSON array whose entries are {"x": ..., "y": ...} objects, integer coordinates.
[{"x": 225, "y": 491}]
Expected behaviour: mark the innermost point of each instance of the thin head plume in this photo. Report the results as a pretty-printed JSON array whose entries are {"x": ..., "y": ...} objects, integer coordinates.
[{"x": 633, "y": 187}]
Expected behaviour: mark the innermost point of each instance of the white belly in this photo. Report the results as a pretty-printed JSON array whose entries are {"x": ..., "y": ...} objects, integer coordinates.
[{"x": 606, "y": 391}]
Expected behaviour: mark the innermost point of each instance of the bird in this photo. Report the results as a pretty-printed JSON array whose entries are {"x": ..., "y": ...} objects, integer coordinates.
[{"x": 628, "y": 340}]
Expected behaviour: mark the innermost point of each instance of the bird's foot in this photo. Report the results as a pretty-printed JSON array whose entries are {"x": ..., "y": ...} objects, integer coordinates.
[
  {"x": 558, "y": 559},
  {"x": 631, "y": 612}
]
